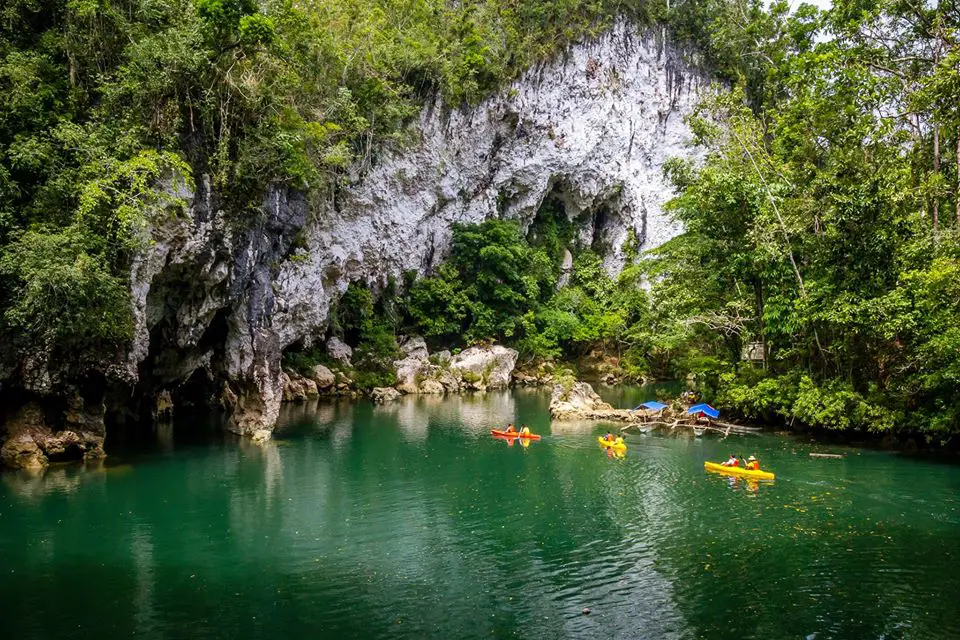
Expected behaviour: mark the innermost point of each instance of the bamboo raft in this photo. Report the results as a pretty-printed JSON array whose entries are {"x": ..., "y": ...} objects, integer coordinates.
[
  {"x": 581, "y": 403},
  {"x": 648, "y": 423}
]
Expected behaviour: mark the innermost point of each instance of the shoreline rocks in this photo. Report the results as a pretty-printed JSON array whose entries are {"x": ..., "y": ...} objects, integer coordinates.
[
  {"x": 578, "y": 401},
  {"x": 474, "y": 369},
  {"x": 323, "y": 377},
  {"x": 32, "y": 442},
  {"x": 484, "y": 368},
  {"x": 418, "y": 372},
  {"x": 382, "y": 395}
]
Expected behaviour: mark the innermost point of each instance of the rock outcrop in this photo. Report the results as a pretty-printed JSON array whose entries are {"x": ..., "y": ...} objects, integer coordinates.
[
  {"x": 217, "y": 299},
  {"x": 340, "y": 351},
  {"x": 578, "y": 401},
  {"x": 323, "y": 377},
  {"x": 485, "y": 367},
  {"x": 474, "y": 369},
  {"x": 32, "y": 442},
  {"x": 415, "y": 366},
  {"x": 382, "y": 395},
  {"x": 541, "y": 375},
  {"x": 415, "y": 347},
  {"x": 297, "y": 387}
]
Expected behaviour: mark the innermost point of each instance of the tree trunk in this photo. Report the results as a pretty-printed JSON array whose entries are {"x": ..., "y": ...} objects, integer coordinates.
[
  {"x": 936, "y": 172},
  {"x": 758, "y": 288},
  {"x": 958, "y": 178}
]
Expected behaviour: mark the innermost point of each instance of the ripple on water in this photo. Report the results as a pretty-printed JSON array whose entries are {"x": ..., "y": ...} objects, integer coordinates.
[{"x": 410, "y": 521}]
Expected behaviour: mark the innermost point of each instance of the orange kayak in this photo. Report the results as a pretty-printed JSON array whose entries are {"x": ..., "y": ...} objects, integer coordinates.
[{"x": 514, "y": 434}]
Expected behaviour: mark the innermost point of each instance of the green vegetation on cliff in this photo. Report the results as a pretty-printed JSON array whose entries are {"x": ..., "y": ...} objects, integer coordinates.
[
  {"x": 106, "y": 104},
  {"x": 498, "y": 284}
]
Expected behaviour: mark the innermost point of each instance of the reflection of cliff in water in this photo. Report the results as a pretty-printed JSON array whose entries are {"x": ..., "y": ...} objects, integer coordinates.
[
  {"x": 66, "y": 478},
  {"x": 473, "y": 413}
]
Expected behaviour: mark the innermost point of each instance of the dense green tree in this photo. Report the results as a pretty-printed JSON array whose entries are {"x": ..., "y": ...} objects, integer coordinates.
[{"x": 814, "y": 227}]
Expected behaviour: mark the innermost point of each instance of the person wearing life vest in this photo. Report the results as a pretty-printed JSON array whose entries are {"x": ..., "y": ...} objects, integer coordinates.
[
  {"x": 524, "y": 430},
  {"x": 619, "y": 440},
  {"x": 753, "y": 464},
  {"x": 731, "y": 461},
  {"x": 511, "y": 428},
  {"x": 608, "y": 437}
]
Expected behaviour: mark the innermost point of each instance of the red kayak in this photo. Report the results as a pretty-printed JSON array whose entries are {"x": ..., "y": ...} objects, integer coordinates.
[{"x": 514, "y": 434}]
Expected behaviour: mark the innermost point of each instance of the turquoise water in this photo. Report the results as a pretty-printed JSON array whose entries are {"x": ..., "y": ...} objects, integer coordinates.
[{"x": 409, "y": 520}]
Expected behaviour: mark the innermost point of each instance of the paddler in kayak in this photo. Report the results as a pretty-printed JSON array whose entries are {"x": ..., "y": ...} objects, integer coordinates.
[
  {"x": 753, "y": 464},
  {"x": 608, "y": 437},
  {"x": 731, "y": 462},
  {"x": 524, "y": 430},
  {"x": 510, "y": 428}
]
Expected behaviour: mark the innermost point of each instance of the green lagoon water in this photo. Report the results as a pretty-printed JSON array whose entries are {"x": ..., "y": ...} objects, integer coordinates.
[{"x": 409, "y": 520}]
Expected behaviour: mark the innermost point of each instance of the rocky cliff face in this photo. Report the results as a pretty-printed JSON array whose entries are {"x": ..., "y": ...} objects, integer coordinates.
[{"x": 215, "y": 303}]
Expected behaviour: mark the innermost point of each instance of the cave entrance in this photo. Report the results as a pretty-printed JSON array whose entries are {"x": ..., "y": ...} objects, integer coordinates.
[
  {"x": 553, "y": 230},
  {"x": 605, "y": 224},
  {"x": 70, "y": 453}
]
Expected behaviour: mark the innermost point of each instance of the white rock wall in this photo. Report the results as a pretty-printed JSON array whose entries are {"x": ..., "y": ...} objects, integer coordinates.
[{"x": 595, "y": 125}]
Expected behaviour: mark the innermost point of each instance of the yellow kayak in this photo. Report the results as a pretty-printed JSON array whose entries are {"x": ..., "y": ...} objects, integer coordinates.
[
  {"x": 738, "y": 471},
  {"x": 612, "y": 445}
]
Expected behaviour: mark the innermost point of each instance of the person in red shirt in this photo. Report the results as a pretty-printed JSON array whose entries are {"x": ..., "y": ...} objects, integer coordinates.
[
  {"x": 731, "y": 462},
  {"x": 753, "y": 463}
]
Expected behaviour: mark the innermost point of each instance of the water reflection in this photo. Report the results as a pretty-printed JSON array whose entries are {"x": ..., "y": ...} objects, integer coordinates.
[
  {"x": 476, "y": 413},
  {"x": 164, "y": 434},
  {"x": 579, "y": 427},
  {"x": 141, "y": 550},
  {"x": 35, "y": 484},
  {"x": 357, "y": 515}
]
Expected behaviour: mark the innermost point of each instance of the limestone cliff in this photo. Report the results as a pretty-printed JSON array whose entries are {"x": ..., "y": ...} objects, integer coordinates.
[{"x": 216, "y": 302}]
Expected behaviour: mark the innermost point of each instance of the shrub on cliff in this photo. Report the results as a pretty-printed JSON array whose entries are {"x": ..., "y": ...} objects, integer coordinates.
[{"x": 64, "y": 296}]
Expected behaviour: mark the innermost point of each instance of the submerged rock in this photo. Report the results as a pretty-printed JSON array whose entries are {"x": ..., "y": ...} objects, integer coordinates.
[{"x": 384, "y": 394}]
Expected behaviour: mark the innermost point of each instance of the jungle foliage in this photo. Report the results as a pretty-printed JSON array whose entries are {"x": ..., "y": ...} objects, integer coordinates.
[
  {"x": 110, "y": 108},
  {"x": 823, "y": 226},
  {"x": 501, "y": 283}
]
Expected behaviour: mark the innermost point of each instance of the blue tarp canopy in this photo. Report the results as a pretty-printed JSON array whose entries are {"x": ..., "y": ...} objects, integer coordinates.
[
  {"x": 704, "y": 409},
  {"x": 653, "y": 405}
]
